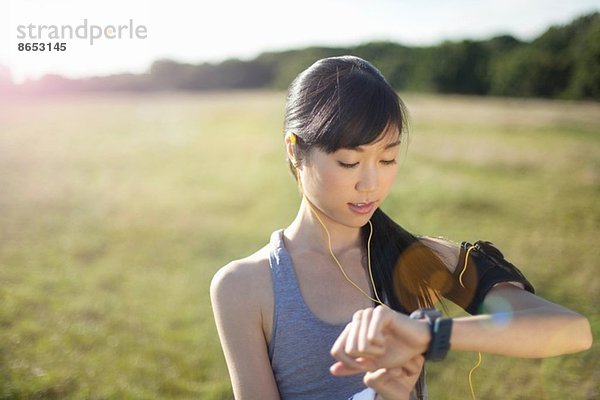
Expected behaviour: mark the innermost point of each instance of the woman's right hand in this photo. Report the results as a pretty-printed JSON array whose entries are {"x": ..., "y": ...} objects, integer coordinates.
[
  {"x": 378, "y": 338},
  {"x": 395, "y": 383}
]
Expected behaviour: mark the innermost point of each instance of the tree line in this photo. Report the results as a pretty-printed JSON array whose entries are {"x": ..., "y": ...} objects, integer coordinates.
[{"x": 563, "y": 62}]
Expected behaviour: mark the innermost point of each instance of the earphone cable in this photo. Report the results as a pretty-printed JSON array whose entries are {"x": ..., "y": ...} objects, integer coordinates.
[{"x": 376, "y": 299}]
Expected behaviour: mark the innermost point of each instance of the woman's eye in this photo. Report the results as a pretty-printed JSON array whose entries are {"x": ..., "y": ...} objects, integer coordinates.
[
  {"x": 344, "y": 165},
  {"x": 388, "y": 162}
]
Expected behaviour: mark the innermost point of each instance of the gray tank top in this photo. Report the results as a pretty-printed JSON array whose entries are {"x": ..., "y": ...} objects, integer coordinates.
[{"x": 300, "y": 343}]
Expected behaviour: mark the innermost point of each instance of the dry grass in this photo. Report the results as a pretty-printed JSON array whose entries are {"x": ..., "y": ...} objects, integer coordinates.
[{"x": 116, "y": 210}]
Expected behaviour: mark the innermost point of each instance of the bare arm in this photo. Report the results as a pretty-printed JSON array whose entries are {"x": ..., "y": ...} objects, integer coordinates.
[
  {"x": 521, "y": 324},
  {"x": 517, "y": 323},
  {"x": 535, "y": 328},
  {"x": 236, "y": 300}
]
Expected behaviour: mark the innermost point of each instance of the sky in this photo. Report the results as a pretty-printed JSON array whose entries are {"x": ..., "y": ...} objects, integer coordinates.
[{"x": 212, "y": 31}]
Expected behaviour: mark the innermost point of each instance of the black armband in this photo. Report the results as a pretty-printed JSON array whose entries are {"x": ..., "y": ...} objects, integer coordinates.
[{"x": 480, "y": 267}]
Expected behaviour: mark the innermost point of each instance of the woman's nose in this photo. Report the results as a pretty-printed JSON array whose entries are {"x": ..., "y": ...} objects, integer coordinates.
[{"x": 368, "y": 180}]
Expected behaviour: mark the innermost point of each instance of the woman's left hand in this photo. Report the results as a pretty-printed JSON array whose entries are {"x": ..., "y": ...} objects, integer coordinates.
[{"x": 378, "y": 338}]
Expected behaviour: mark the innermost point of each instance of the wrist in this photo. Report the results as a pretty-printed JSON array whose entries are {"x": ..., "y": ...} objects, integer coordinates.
[
  {"x": 440, "y": 332},
  {"x": 426, "y": 336}
]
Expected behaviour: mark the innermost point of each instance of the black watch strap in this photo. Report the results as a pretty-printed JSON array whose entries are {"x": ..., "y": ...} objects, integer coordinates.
[{"x": 441, "y": 330}]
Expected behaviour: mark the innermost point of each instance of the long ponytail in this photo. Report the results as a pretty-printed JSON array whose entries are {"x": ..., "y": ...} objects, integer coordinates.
[{"x": 407, "y": 273}]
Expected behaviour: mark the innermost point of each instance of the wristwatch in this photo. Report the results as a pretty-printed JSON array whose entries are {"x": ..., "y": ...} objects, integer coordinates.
[{"x": 441, "y": 330}]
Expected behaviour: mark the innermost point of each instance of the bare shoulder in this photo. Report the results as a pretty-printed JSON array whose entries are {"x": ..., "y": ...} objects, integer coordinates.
[
  {"x": 249, "y": 276},
  {"x": 447, "y": 250}
]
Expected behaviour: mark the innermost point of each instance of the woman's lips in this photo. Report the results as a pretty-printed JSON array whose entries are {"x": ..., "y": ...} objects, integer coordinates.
[{"x": 362, "y": 208}]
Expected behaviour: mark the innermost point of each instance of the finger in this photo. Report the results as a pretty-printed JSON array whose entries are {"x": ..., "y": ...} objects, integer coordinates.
[
  {"x": 390, "y": 384},
  {"x": 341, "y": 369},
  {"x": 363, "y": 347},
  {"x": 343, "y": 348},
  {"x": 368, "y": 347},
  {"x": 360, "y": 365},
  {"x": 392, "y": 375},
  {"x": 338, "y": 350},
  {"x": 340, "y": 342},
  {"x": 384, "y": 375},
  {"x": 372, "y": 377},
  {"x": 363, "y": 344},
  {"x": 375, "y": 331},
  {"x": 349, "y": 362},
  {"x": 351, "y": 346}
]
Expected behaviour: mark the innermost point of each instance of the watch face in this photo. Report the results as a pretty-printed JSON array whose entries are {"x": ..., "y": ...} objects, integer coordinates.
[{"x": 431, "y": 314}]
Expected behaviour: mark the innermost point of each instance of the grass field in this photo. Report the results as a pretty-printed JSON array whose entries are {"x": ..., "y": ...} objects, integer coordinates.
[{"x": 116, "y": 210}]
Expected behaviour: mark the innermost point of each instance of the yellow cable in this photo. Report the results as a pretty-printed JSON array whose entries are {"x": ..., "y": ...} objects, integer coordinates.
[
  {"x": 471, "y": 375},
  {"x": 376, "y": 300},
  {"x": 479, "y": 358},
  {"x": 465, "y": 266},
  {"x": 369, "y": 263}
]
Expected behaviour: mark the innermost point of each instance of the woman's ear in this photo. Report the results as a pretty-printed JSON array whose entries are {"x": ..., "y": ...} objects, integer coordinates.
[{"x": 291, "y": 147}]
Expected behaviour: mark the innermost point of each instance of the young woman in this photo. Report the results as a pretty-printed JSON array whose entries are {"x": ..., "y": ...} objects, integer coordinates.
[{"x": 280, "y": 310}]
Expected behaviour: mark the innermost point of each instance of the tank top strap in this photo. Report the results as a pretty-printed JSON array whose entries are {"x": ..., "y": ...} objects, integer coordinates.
[
  {"x": 300, "y": 342},
  {"x": 285, "y": 285}
]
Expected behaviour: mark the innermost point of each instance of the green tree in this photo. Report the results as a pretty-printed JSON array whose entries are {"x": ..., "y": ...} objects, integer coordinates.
[
  {"x": 461, "y": 68},
  {"x": 585, "y": 80},
  {"x": 530, "y": 72}
]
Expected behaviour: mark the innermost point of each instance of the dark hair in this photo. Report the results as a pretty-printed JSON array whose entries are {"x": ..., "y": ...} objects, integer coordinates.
[
  {"x": 341, "y": 102},
  {"x": 345, "y": 102}
]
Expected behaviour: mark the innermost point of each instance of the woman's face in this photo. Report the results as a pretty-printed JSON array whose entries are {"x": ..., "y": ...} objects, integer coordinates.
[{"x": 349, "y": 184}]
